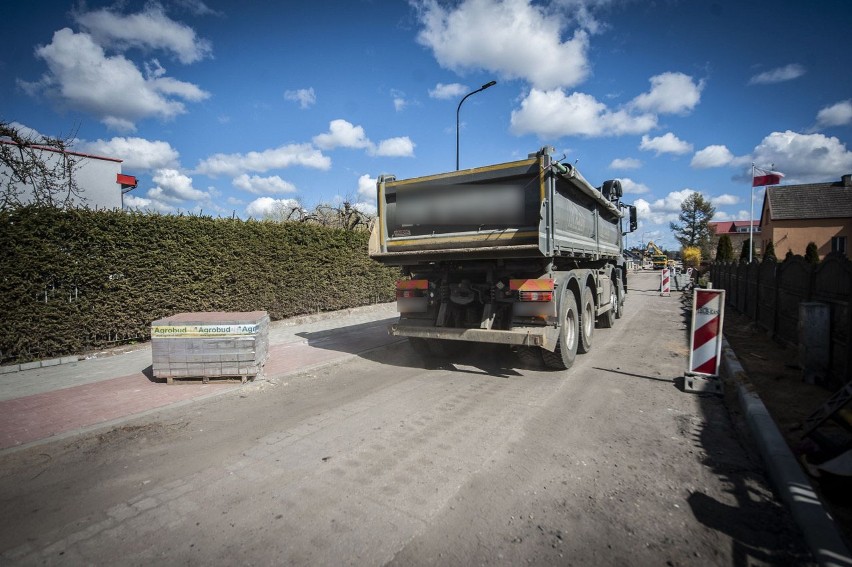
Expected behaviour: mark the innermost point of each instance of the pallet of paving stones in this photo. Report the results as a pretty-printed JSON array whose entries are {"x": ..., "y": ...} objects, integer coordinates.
[{"x": 205, "y": 346}]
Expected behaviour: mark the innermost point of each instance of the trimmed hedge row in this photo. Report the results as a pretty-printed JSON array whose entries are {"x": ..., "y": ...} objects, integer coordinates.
[{"x": 74, "y": 280}]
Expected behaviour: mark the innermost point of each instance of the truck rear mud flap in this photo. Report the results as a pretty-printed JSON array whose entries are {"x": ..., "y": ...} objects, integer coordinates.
[{"x": 544, "y": 337}]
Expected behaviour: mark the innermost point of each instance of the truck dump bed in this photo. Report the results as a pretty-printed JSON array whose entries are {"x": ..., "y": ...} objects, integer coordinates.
[{"x": 530, "y": 208}]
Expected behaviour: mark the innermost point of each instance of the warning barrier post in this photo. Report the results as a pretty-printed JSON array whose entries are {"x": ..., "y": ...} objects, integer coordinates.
[{"x": 705, "y": 343}]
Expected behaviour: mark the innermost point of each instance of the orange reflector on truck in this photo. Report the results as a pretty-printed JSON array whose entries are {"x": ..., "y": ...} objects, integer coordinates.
[
  {"x": 531, "y": 285},
  {"x": 411, "y": 288},
  {"x": 413, "y": 284}
]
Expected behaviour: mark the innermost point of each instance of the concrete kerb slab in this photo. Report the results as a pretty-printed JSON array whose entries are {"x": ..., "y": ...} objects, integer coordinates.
[{"x": 821, "y": 533}]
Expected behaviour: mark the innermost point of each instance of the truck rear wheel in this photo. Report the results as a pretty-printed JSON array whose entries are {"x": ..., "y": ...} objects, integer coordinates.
[
  {"x": 619, "y": 305},
  {"x": 587, "y": 320},
  {"x": 566, "y": 346},
  {"x": 530, "y": 357},
  {"x": 607, "y": 320}
]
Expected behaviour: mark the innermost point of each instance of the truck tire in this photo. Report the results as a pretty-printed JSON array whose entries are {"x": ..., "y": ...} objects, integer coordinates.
[
  {"x": 607, "y": 320},
  {"x": 587, "y": 320},
  {"x": 569, "y": 334},
  {"x": 530, "y": 357},
  {"x": 619, "y": 306}
]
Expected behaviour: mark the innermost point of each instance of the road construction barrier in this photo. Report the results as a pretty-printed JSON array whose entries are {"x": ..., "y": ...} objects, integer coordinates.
[
  {"x": 705, "y": 344},
  {"x": 665, "y": 283}
]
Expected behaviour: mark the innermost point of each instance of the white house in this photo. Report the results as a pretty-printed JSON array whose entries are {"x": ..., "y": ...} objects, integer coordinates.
[{"x": 100, "y": 183}]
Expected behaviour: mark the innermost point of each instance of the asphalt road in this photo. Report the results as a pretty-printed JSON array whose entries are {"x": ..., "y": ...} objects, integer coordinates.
[{"x": 379, "y": 460}]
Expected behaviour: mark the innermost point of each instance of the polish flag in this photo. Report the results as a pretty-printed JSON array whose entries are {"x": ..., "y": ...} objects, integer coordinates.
[{"x": 763, "y": 177}]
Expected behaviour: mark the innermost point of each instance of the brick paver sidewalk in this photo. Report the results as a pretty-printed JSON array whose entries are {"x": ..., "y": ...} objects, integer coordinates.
[{"x": 38, "y": 416}]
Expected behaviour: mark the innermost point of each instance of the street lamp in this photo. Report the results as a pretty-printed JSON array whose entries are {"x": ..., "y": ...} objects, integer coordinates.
[{"x": 482, "y": 88}]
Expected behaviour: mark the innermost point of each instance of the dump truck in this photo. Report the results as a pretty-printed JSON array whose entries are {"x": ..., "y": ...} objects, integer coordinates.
[{"x": 526, "y": 253}]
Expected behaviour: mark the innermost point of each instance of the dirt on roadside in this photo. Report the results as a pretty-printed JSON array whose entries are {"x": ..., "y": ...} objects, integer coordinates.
[{"x": 774, "y": 373}]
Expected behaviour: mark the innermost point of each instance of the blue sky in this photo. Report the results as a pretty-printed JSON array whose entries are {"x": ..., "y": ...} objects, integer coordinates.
[{"x": 245, "y": 108}]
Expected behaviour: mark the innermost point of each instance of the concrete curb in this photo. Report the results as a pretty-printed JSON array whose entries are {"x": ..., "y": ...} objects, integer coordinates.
[{"x": 821, "y": 533}]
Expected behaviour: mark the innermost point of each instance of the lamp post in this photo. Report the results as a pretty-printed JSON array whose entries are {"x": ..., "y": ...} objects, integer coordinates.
[{"x": 480, "y": 89}]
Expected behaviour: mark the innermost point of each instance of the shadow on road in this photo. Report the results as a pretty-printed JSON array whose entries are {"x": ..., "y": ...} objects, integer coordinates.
[
  {"x": 365, "y": 340},
  {"x": 644, "y": 377},
  {"x": 760, "y": 528}
]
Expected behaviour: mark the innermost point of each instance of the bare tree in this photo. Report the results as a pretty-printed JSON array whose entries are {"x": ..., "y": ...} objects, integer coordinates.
[
  {"x": 346, "y": 216},
  {"x": 37, "y": 169}
]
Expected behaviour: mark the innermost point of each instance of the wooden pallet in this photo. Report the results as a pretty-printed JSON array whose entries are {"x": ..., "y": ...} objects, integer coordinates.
[{"x": 207, "y": 379}]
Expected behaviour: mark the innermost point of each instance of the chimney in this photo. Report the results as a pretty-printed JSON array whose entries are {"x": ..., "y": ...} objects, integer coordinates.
[{"x": 846, "y": 180}]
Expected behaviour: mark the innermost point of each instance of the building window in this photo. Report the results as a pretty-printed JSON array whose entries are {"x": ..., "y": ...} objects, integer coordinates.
[{"x": 838, "y": 244}]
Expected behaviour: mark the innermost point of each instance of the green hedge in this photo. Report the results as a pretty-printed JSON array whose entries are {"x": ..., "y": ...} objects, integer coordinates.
[{"x": 79, "y": 280}]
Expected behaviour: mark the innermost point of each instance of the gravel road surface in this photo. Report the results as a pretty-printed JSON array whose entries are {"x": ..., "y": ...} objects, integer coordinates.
[{"x": 382, "y": 459}]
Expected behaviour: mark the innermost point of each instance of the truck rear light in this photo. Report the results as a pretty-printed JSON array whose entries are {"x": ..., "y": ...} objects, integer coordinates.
[
  {"x": 533, "y": 290},
  {"x": 411, "y": 296},
  {"x": 407, "y": 289},
  {"x": 535, "y": 296}
]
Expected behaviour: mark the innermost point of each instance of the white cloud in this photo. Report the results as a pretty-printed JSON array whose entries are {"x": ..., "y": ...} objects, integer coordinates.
[
  {"x": 367, "y": 188},
  {"x": 452, "y": 90},
  {"x": 804, "y": 158},
  {"x": 342, "y": 134},
  {"x": 666, "y": 144},
  {"x": 839, "y": 114},
  {"x": 513, "y": 38},
  {"x": 399, "y": 104},
  {"x": 366, "y": 208},
  {"x": 174, "y": 187},
  {"x": 81, "y": 76},
  {"x": 133, "y": 202},
  {"x": 551, "y": 114},
  {"x": 260, "y": 185},
  {"x": 778, "y": 75},
  {"x": 712, "y": 156},
  {"x": 137, "y": 153},
  {"x": 149, "y": 29},
  {"x": 277, "y": 158},
  {"x": 671, "y": 93},
  {"x": 724, "y": 200},
  {"x": 394, "y": 147},
  {"x": 625, "y": 163},
  {"x": 305, "y": 97},
  {"x": 630, "y": 186},
  {"x": 264, "y": 207},
  {"x": 662, "y": 211}
]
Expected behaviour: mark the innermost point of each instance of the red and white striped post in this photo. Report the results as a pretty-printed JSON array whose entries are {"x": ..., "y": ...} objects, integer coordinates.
[
  {"x": 705, "y": 345},
  {"x": 665, "y": 283}
]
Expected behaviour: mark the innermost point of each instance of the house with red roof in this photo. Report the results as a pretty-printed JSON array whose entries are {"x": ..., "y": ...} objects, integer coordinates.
[{"x": 738, "y": 232}]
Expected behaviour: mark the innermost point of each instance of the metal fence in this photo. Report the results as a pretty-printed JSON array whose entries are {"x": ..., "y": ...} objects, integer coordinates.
[{"x": 769, "y": 293}]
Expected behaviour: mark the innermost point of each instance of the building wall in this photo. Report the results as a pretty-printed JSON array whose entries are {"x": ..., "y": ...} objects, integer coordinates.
[
  {"x": 95, "y": 177},
  {"x": 796, "y": 234},
  {"x": 737, "y": 239}
]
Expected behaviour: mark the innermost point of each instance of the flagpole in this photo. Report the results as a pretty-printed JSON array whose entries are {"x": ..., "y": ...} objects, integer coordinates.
[{"x": 751, "y": 218}]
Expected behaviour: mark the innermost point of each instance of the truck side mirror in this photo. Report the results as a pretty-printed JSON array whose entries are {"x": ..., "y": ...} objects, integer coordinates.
[{"x": 633, "y": 221}]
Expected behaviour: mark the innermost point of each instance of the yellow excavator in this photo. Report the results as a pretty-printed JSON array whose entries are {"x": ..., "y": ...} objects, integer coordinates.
[{"x": 658, "y": 259}]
